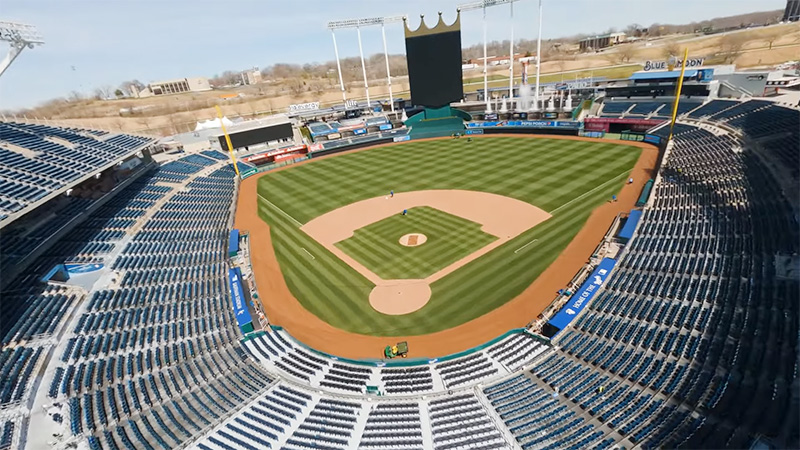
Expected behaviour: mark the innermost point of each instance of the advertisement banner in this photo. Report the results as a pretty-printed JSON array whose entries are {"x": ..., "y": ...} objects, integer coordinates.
[
  {"x": 581, "y": 298},
  {"x": 665, "y": 65},
  {"x": 401, "y": 138},
  {"x": 476, "y": 131},
  {"x": 237, "y": 297},
  {"x": 82, "y": 268},
  {"x": 527, "y": 124},
  {"x": 386, "y": 126},
  {"x": 301, "y": 107},
  {"x": 248, "y": 173},
  {"x": 652, "y": 138},
  {"x": 359, "y": 131}
]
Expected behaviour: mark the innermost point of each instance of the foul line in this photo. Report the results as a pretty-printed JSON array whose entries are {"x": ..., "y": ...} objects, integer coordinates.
[
  {"x": 587, "y": 193},
  {"x": 309, "y": 254},
  {"x": 282, "y": 211},
  {"x": 529, "y": 243}
]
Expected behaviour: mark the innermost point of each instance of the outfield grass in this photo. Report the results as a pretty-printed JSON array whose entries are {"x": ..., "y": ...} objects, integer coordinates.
[
  {"x": 450, "y": 238},
  {"x": 565, "y": 178}
]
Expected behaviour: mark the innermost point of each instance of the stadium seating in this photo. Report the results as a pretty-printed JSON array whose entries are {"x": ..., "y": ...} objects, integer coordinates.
[
  {"x": 636, "y": 108},
  {"x": 692, "y": 342},
  {"x": 37, "y": 160}
]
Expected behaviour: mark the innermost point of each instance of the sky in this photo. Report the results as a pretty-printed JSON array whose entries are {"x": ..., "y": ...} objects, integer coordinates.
[{"x": 93, "y": 43}]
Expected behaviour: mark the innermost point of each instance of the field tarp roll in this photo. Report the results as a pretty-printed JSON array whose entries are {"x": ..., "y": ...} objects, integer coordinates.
[
  {"x": 233, "y": 242},
  {"x": 630, "y": 224}
]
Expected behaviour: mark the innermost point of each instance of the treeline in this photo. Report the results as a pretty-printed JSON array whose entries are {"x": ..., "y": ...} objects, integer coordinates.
[{"x": 321, "y": 75}]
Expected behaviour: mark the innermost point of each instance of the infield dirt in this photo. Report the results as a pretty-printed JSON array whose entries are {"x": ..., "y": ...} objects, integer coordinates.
[{"x": 283, "y": 309}]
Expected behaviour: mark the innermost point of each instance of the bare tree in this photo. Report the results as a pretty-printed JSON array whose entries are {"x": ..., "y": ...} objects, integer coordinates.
[
  {"x": 626, "y": 52},
  {"x": 118, "y": 123},
  {"x": 671, "y": 48},
  {"x": 144, "y": 121},
  {"x": 634, "y": 29},
  {"x": 771, "y": 35},
  {"x": 75, "y": 96},
  {"x": 611, "y": 56},
  {"x": 730, "y": 46},
  {"x": 296, "y": 86}
]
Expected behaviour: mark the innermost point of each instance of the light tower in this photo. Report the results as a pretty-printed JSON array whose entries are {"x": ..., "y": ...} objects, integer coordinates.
[
  {"x": 358, "y": 24},
  {"x": 483, "y": 4},
  {"x": 19, "y": 36}
]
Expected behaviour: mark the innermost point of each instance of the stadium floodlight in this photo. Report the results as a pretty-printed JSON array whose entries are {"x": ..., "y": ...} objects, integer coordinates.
[
  {"x": 483, "y": 4},
  {"x": 19, "y": 36},
  {"x": 358, "y": 24}
]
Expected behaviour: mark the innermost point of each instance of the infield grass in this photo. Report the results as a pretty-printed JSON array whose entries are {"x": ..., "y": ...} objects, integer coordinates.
[
  {"x": 450, "y": 238},
  {"x": 565, "y": 178}
]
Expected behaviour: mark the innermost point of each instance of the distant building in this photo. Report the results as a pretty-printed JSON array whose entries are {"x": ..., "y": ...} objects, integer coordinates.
[
  {"x": 792, "y": 11},
  {"x": 178, "y": 86},
  {"x": 602, "y": 41},
  {"x": 251, "y": 76}
]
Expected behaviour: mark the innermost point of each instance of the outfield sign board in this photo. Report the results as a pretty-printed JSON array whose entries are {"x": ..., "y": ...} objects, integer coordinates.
[
  {"x": 652, "y": 138},
  {"x": 526, "y": 124},
  {"x": 248, "y": 173},
  {"x": 664, "y": 65},
  {"x": 584, "y": 295},
  {"x": 574, "y": 85},
  {"x": 301, "y": 107}
]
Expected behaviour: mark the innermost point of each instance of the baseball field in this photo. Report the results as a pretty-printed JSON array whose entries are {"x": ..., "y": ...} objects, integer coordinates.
[{"x": 473, "y": 257}]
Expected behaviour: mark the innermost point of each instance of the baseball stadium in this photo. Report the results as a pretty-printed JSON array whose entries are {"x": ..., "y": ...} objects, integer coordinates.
[{"x": 604, "y": 263}]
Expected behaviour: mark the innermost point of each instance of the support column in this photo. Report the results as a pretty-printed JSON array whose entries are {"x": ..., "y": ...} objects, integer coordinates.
[
  {"x": 538, "y": 55},
  {"x": 485, "y": 70},
  {"x": 511, "y": 58},
  {"x": 388, "y": 74},
  {"x": 338, "y": 65},
  {"x": 363, "y": 65}
]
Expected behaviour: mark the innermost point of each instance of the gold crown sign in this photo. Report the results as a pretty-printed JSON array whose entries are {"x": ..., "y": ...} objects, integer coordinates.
[{"x": 440, "y": 27}]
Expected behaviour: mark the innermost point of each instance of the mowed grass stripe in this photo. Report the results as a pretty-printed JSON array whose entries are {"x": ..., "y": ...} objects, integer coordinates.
[
  {"x": 467, "y": 281},
  {"x": 450, "y": 238},
  {"x": 332, "y": 278},
  {"x": 545, "y": 172},
  {"x": 312, "y": 189}
]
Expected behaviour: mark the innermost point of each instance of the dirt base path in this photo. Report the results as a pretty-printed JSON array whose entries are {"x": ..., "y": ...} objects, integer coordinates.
[
  {"x": 501, "y": 216},
  {"x": 283, "y": 309}
]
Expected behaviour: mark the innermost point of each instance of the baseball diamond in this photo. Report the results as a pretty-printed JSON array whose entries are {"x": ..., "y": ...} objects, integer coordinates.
[
  {"x": 449, "y": 239},
  {"x": 563, "y": 177},
  {"x": 543, "y": 247}
]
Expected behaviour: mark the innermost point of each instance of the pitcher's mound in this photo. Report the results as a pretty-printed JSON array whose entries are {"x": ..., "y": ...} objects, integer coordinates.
[
  {"x": 413, "y": 239},
  {"x": 397, "y": 297}
]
